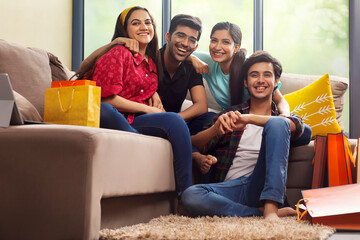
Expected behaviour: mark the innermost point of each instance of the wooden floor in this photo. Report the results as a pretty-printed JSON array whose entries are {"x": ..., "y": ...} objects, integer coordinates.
[{"x": 345, "y": 236}]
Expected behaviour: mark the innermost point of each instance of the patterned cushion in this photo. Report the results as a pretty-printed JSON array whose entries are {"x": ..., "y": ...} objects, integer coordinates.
[{"x": 314, "y": 103}]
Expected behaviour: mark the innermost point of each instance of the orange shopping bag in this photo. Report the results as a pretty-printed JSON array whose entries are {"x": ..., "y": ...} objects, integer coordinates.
[
  {"x": 337, "y": 207},
  {"x": 339, "y": 159},
  {"x": 71, "y": 83},
  {"x": 356, "y": 169},
  {"x": 319, "y": 179}
]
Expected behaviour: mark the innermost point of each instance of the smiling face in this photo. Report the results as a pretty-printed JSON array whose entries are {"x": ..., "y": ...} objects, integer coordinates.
[
  {"x": 182, "y": 42},
  {"x": 222, "y": 46},
  {"x": 261, "y": 80},
  {"x": 140, "y": 27}
]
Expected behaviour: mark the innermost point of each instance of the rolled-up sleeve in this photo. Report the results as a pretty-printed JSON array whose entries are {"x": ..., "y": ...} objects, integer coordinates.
[{"x": 299, "y": 124}]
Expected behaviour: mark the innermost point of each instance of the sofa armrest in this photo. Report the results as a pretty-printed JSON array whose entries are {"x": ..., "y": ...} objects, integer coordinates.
[{"x": 53, "y": 177}]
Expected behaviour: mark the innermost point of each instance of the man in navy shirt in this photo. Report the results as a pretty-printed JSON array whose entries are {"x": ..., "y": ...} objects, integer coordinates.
[{"x": 179, "y": 75}]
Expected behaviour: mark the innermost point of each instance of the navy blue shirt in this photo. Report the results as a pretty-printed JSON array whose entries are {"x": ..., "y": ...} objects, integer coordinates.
[{"x": 173, "y": 91}]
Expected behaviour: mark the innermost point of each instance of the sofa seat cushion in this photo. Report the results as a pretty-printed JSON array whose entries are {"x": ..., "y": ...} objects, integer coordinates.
[
  {"x": 115, "y": 163},
  {"x": 29, "y": 71}
]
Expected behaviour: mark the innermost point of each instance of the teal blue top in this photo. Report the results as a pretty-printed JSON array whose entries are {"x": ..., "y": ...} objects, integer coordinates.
[{"x": 217, "y": 81}]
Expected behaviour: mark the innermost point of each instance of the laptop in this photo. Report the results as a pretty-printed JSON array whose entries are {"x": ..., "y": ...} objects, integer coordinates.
[{"x": 9, "y": 111}]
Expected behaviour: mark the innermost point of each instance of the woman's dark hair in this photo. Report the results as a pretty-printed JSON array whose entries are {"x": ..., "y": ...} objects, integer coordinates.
[
  {"x": 152, "y": 49},
  {"x": 236, "y": 87}
]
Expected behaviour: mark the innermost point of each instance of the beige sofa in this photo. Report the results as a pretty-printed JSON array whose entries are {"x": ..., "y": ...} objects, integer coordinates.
[{"x": 68, "y": 182}]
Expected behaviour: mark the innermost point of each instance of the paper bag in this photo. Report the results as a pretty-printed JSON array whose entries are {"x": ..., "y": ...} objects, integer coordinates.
[
  {"x": 339, "y": 160},
  {"x": 78, "y": 105},
  {"x": 71, "y": 83},
  {"x": 320, "y": 162},
  {"x": 337, "y": 207},
  {"x": 355, "y": 170}
]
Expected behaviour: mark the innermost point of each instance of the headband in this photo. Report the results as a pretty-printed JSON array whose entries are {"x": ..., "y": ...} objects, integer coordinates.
[{"x": 123, "y": 15}]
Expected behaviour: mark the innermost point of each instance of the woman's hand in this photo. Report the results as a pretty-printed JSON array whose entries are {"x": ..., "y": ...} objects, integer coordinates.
[
  {"x": 155, "y": 101},
  {"x": 150, "y": 109},
  {"x": 200, "y": 66},
  {"x": 129, "y": 43}
]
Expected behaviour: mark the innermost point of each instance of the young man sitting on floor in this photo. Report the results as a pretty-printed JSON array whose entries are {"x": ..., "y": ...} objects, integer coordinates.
[{"x": 251, "y": 143}]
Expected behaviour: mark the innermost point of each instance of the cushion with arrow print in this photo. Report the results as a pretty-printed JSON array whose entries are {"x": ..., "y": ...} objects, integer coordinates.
[{"x": 314, "y": 103}]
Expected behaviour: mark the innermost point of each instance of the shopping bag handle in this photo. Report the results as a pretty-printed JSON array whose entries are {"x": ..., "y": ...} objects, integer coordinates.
[
  {"x": 71, "y": 102},
  {"x": 301, "y": 215}
]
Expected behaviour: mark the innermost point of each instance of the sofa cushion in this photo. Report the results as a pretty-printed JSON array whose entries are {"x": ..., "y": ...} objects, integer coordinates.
[
  {"x": 291, "y": 82},
  {"x": 59, "y": 72},
  {"x": 315, "y": 105},
  {"x": 29, "y": 71},
  {"x": 27, "y": 110},
  {"x": 213, "y": 106}
]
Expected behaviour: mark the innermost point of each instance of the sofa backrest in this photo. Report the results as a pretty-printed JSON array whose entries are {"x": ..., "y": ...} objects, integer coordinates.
[{"x": 31, "y": 71}]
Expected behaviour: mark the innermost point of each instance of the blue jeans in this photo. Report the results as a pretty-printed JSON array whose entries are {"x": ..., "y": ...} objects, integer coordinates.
[
  {"x": 170, "y": 126},
  {"x": 198, "y": 123},
  {"x": 243, "y": 196},
  {"x": 304, "y": 139}
]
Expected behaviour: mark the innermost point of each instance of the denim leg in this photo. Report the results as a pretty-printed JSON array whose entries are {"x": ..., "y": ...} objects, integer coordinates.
[
  {"x": 219, "y": 199},
  {"x": 172, "y": 127},
  {"x": 197, "y": 124},
  {"x": 304, "y": 139},
  {"x": 268, "y": 180},
  {"x": 111, "y": 118},
  {"x": 169, "y": 126}
]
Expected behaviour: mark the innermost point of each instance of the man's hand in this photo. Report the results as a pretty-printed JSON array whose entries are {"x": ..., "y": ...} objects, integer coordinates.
[
  {"x": 230, "y": 121},
  {"x": 129, "y": 43}
]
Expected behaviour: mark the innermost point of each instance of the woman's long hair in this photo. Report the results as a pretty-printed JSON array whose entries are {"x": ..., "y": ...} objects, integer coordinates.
[
  {"x": 152, "y": 49},
  {"x": 236, "y": 86}
]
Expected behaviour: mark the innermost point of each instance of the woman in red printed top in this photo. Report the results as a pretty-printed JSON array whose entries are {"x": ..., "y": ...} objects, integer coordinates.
[{"x": 128, "y": 81}]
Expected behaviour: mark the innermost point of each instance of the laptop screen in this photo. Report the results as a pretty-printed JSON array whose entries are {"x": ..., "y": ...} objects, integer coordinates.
[{"x": 10, "y": 113}]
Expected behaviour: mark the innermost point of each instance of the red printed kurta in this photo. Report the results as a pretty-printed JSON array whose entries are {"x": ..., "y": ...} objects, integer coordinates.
[{"x": 118, "y": 72}]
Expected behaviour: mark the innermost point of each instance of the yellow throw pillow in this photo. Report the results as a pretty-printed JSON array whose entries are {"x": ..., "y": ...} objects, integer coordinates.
[{"x": 314, "y": 103}]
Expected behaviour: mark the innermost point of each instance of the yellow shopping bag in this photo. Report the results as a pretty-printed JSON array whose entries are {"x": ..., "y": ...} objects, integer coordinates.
[{"x": 77, "y": 105}]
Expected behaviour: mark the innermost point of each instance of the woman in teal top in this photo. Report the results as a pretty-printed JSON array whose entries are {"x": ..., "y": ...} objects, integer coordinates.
[
  {"x": 217, "y": 81},
  {"x": 221, "y": 68}
]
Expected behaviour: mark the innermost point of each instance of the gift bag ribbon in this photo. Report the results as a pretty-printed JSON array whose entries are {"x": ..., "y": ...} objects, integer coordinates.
[{"x": 71, "y": 101}]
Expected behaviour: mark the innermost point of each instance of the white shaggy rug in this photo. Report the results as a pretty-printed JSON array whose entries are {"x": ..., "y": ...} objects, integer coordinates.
[{"x": 179, "y": 227}]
